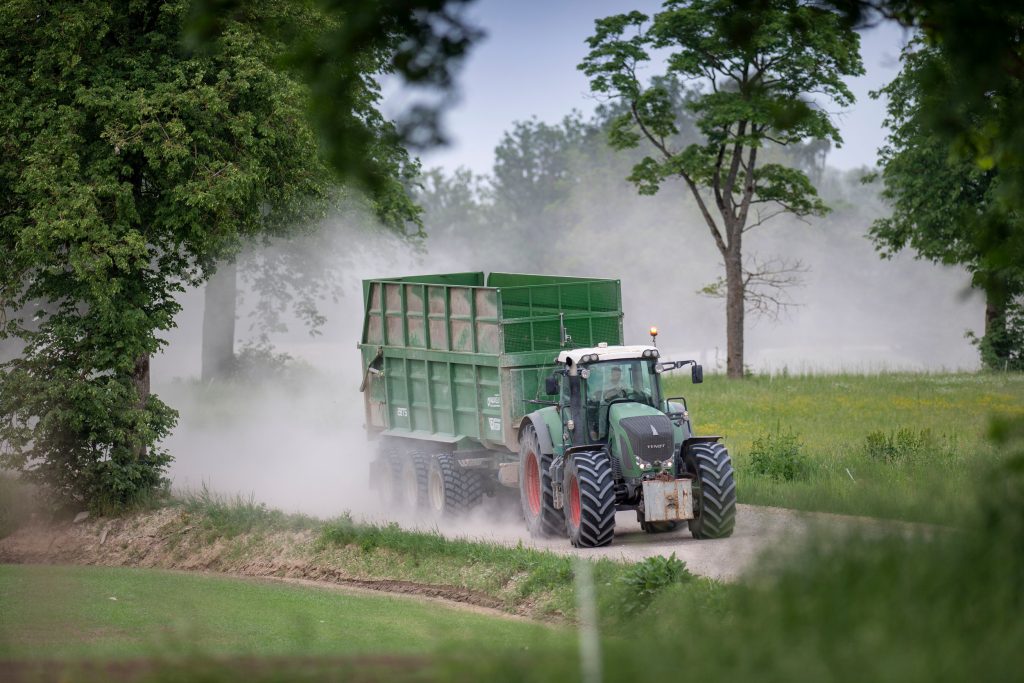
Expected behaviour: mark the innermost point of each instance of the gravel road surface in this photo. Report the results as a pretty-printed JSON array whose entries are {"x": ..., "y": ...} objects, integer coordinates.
[{"x": 757, "y": 529}]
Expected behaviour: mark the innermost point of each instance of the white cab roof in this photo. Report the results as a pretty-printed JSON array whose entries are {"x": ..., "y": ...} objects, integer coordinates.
[{"x": 605, "y": 353}]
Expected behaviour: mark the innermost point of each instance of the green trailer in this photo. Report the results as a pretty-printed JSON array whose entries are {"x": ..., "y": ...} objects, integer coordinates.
[{"x": 474, "y": 382}]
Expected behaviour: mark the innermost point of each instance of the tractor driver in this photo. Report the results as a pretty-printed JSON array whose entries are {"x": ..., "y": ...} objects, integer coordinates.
[{"x": 614, "y": 387}]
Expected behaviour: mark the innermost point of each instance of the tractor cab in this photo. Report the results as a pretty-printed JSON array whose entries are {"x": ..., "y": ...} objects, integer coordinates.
[
  {"x": 598, "y": 379},
  {"x": 610, "y": 376}
]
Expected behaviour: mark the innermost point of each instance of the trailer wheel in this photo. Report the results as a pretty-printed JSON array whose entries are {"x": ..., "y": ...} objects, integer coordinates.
[
  {"x": 589, "y": 499},
  {"x": 715, "y": 508},
  {"x": 535, "y": 490},
  {"x": 451, "y": 490},
  {"x": 386, "y": 475},
  {"x": 413, "y": 477}
]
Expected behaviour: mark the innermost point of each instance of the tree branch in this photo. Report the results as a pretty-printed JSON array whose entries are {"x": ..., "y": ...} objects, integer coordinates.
[
  {"x": 712, "y": 226},
  {"x": 748, "y": 190}
]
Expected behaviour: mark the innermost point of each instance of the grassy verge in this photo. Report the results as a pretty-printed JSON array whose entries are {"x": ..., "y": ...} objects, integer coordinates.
[
  {"x": 241, "y": 536},
  {"x": 898, "y": 445},
  {"x": 106, "y": 613}
]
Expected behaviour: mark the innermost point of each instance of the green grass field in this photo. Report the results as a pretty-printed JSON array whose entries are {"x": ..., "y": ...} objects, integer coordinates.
[
  {"x": 110, "y": 613},
  {"x": 900, "y": 446}
]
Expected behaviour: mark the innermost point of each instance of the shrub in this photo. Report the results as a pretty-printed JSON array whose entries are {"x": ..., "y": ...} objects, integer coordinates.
[
  {"x": 900, "y": 445},
  {"x": 646, "y": 579},
  {"x": 779, "y": 456}
]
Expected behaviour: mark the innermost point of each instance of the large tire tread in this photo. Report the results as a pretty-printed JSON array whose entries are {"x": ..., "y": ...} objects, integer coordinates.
[
  {"x": 550, "y": 521},
  {"x": 596, "y": 480},
  {"x": 420, "y": 462},
  {"x": 717, "y": 506},
  {"x": 463, "y": 489}
]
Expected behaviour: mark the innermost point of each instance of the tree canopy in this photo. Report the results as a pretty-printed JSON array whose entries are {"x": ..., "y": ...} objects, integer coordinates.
[
  {"x": 941, "y": 201},
  {"x": 769, "y": 88},
  {"x": 131, "y": 164}
]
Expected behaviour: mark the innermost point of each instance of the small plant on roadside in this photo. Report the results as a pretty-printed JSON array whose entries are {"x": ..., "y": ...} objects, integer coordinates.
[
  {"x": 780, "y": 457},
  {"x": 644, "y": 580}
]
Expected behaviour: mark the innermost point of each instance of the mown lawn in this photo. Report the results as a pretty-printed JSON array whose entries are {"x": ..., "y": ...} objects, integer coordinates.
[
  {"x": 903, "y": 446},
  {"x": 109, "y": 613}
]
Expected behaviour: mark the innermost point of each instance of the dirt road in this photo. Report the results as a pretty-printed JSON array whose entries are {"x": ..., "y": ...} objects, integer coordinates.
[{"x": 757, "y": 529}]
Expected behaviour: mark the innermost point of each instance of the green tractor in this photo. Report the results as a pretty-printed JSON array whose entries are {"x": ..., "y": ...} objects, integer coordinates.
[{"x": 612, "y": 441}]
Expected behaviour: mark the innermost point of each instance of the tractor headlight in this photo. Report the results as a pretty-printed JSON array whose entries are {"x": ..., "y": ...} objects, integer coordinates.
[{"x": 585, "y": 373}]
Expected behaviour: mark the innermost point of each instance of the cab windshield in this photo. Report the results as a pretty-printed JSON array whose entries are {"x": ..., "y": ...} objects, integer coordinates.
[{"x": 619, "y": 379}]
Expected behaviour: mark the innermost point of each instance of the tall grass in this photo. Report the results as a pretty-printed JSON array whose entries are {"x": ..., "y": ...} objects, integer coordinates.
[
  {"x": 521, "y": 577},
  {"x": 231, "y": 516},
  {"x": 932, "y": 426}
]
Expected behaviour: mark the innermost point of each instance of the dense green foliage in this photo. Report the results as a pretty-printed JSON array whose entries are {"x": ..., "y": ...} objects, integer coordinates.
[
  {"x": 748, "y": 96},
  {"x": 940, "y": 200},
  {"x": 131, "y": 165}
]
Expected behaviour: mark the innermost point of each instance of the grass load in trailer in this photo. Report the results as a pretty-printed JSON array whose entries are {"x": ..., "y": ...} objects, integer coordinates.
[{"x": 472, "y": 383}]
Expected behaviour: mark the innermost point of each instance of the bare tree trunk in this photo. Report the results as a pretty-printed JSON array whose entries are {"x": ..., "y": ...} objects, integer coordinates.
[
  {"x": 734, "y": 300},
  {"x": 995, "y": 309},
  {"x": 219, "y": 323}
]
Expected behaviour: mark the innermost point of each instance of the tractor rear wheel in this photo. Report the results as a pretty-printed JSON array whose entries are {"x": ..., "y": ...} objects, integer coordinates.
[
  {"x": 714, "y": 509},
  {"x": 535, "y": 491},
  {"x": 589, "y": 499},
  {"x": 413, "y": 478},
  {"x": 451, "y": 490}
]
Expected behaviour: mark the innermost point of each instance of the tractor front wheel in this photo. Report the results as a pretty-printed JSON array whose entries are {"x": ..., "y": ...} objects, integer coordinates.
[
  {"x": 714, "y": 509},
  {"x": 535, "y": 490},
  {"x": 589, "y": 499},
  {"x": 451, "y": 490}
]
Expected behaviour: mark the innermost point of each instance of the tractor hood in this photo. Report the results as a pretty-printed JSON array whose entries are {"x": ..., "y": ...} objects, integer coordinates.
[{"x": 647, "y": 431}]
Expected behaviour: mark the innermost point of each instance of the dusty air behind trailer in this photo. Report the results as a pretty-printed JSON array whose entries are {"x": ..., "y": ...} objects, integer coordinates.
[{"x": 473, "y": 383}]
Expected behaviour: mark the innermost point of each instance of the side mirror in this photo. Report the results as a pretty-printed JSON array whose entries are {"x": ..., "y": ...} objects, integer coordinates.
[
  {"x": 551, "y": 385},
  {"x": 697, "y": 373}
]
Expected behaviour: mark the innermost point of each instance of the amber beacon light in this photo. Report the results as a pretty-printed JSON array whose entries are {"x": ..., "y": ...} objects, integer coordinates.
[{"x": 654, "y": 335}]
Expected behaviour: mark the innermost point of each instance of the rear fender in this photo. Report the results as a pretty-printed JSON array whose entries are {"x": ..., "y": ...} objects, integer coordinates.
[{"x": 540, "y": 426}]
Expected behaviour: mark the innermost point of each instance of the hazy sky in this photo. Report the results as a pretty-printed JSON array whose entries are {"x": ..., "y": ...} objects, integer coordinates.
[{"x": 526, "y": 66}]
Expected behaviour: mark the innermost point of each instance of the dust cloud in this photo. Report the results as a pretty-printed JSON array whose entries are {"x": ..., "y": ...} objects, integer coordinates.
[{"x": 295, "y": 441}]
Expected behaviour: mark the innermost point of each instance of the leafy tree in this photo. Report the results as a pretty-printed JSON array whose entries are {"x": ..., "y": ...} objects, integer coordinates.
[
  {"x": 533, "y": 166},
  {"x": 760, "y": 92},
  {"x": 940, "y": 201},
  {"x": 422, "y": 41},
  {"x": 130, "y": 166}
]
